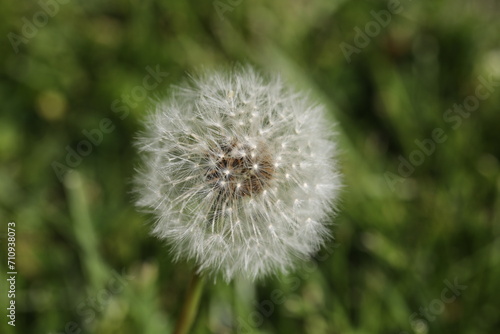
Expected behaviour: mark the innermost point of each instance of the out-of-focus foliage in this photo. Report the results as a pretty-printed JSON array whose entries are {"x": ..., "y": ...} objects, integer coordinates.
[{"x": 406, "y": 231}]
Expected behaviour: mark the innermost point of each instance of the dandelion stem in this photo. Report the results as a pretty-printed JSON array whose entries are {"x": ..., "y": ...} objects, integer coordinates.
[{"x": 190, "y": 307}]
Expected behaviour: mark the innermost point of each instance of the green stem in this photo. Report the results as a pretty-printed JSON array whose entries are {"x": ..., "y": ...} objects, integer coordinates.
[{"x": 190, "y": 307}]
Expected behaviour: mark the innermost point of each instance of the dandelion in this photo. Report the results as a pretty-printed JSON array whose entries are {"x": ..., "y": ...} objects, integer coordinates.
[{"x": 239, "y": 171}]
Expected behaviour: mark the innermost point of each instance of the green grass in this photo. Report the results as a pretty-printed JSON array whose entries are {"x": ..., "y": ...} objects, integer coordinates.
[{"x": 84, "y": 257}]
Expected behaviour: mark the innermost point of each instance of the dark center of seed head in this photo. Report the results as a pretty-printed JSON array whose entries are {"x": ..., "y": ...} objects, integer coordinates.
[{"x": 238, "y": 170}]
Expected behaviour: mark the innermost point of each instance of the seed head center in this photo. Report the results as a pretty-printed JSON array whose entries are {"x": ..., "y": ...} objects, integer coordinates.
[{"x": 238, "y": 169}]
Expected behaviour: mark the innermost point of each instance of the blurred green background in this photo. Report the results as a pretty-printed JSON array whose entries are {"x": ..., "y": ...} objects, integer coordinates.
[{"x": 85, "y": 260}]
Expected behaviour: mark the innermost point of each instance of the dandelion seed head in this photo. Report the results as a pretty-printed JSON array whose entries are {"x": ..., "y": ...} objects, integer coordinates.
[{"x": 239, "y": 171}]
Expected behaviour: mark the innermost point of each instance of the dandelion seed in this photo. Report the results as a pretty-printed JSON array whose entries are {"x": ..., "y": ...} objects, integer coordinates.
[{"x": 220, "y": 174}]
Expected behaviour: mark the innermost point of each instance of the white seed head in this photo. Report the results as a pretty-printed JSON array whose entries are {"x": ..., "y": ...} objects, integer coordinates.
[{"x": 239, "y": 171}]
